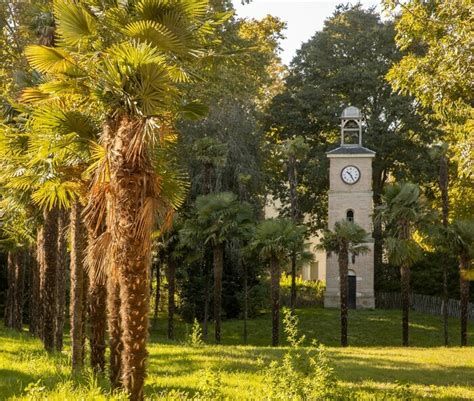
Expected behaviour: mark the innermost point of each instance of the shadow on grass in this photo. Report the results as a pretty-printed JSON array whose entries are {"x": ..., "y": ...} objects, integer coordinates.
[{"x": 12, "y": 382}]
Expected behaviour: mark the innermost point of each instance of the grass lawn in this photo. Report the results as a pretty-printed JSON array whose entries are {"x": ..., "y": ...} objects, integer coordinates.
[{"x": 373, "y": 364}]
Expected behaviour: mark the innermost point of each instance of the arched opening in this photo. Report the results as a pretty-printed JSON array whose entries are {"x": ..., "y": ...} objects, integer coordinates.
[
  {"x": 352, "y": 290},
  {"x": 350, "y": 215}
]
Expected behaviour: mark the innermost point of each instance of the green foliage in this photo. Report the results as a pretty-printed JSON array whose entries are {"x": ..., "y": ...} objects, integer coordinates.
[
  {"x": 347, "y": 236},
  {"x": 195, "y": 337},
  {"x": 403, "y": 210},
  {"x": 276, "y": 239},
  {"x": 345, "y": 64},
  {"x": 302, "y": 373}
]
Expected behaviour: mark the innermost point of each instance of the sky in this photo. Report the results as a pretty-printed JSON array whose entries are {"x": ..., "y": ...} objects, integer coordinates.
[{"x": 303, "y": 18}]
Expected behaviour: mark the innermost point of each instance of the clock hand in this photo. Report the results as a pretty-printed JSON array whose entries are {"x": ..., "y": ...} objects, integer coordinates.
[{"x": 350, "y": 174}]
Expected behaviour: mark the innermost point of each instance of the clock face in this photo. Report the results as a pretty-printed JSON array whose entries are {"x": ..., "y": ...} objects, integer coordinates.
[{"x": 350, "y": 174}]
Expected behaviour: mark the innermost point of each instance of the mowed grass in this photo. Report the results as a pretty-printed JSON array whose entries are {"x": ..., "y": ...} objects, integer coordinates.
[{"x": 373, "y": 364}]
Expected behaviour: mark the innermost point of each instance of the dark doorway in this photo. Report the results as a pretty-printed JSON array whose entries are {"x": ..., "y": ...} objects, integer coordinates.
[{"x": 352, "y": 284}]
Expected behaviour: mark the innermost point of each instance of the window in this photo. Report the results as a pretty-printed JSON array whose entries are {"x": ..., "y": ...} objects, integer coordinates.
[{"x": 350, "y": 215}]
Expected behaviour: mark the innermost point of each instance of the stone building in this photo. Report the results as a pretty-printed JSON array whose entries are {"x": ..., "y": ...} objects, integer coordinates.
[{"x": 350, "y": 197}]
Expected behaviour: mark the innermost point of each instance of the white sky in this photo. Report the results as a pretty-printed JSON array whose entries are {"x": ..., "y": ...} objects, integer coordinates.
[{"x": 303, "y": 18}]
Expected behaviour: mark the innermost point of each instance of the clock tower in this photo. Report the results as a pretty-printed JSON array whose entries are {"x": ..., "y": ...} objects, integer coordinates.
[{"x": 350, "y": 197}]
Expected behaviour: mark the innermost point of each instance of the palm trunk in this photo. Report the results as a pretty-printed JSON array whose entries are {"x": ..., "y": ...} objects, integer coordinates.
[
  {"x": 171, "y": 275},
  {"x": 10, "y": 290},
  {"x": 50, "y": 233},
  {"x": 61, "y": 280},
  {"x": 157, "y": 295},
  {"x": 207, "y": 300},
  {"x": 405, "y": 287},
  {"x": 78, "y": 246},
  {"x": 115, "y": 331},
  {"x": 275, "y": 275},
  {"x": 292, "y": 179},
  {"x": 443, "y": 185},
  {"x": 19, "y": 283},
  {"x": 218, "y": 253},
  {"x": 343, "y": 289},
  {"x": 34, "y": 299},
  {"x": 246, "y": 296},
  {"x": 40, "y": 267},
  {"x": 97, "y": 320},
  {"x": 133, "y": 188},
  {"x": 464, "y": 292}
]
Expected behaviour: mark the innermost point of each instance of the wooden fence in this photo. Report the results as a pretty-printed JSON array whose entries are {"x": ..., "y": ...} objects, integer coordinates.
[{"x": 421, "y": 303}]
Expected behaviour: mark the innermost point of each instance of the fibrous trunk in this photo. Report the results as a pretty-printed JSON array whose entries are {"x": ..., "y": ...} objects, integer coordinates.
[
  {"x": 40, "y": 266},
  {"x": 275, "y": 275},
  {"x": 157, "y": 295},
  {"x": 34, "y": 297},
  {"x": 218, "y": 254},
  {"x": 97, "y": 318},
  {"x": 133, "y": 192},
  {"x": 405, "y": 287},
  {"x": 115, "y": 331},
  {"x": 171, "y": 275},
  {"x": 464, "y": 292},
  {"x": 343, "y": 288},
  {"x": 50, "y": 233},
  {"x": 61, "y": 277},
  {"x": 78, "y": 246}
]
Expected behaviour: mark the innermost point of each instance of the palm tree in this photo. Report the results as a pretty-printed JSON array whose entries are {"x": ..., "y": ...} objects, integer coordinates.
[
  {"x": 346, "y": 239},
  {"x": 401, "y": 212},
  {"x": 220, "y": 217},
  {"x": 294, "y": 149},
  {"x": 274, "y": 241},
  {"x": 133, "y": 66},
  {"x": 460, "y": 238}
]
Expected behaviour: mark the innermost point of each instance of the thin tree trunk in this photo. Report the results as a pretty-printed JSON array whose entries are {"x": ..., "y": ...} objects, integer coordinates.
[
  {"x": 292, "y": 179},
  {"x": 207, "y": 301},
  {"x": 275, "y": 275},
  {"x": 115, "y": 331},
  {"x": 343, "y": 289},
  {"x": 49, "y": 297},
  {"x": 10, "y": 290},
  {"x": 405, "y": 287},
  {"x": 218, "y": 254},
  {"x": 464, "y": 292},
  {"x": 61, "y": 277},
  {"x": 40, "y": 268},
  {"x": 246, "y": 303},
  {"x": 78, "y": 246},
  {"x": 171, "y": 276},
  {"x": 443, "y": 186},
  {"x": 157, "y": 295},
  {"x": 19, "y": 284},
  {"x": 34, "y": 301},
  {"x": 132, "y": 189}
]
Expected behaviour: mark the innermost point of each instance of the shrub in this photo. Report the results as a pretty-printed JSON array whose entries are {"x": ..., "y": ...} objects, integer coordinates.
[{"x": 303, "y": 373}]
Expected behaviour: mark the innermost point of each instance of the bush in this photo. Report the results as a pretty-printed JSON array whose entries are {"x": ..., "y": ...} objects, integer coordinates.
[{"x": 303, "y": 373}]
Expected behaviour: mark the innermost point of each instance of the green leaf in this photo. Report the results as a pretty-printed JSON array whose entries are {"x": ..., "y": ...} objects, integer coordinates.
[{"x": 76, "y": 25}]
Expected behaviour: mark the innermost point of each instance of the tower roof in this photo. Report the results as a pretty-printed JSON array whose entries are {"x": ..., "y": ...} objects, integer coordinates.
[
  {"x": 351, "y": 150},
  {"x": 351, "y": 112}
]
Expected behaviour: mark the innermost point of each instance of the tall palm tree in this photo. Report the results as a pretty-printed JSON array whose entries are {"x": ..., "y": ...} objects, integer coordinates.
[
  {"x": 131, "y": 57},
  {"x": 294, "y": 149},
  {"x": 220, "y": 217},
  {"x": 346, "y": 239},
  {"x": 274, "y": 241},
  {"x": 401, "y": 212},
  {"x": 460, "y": 238}
]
